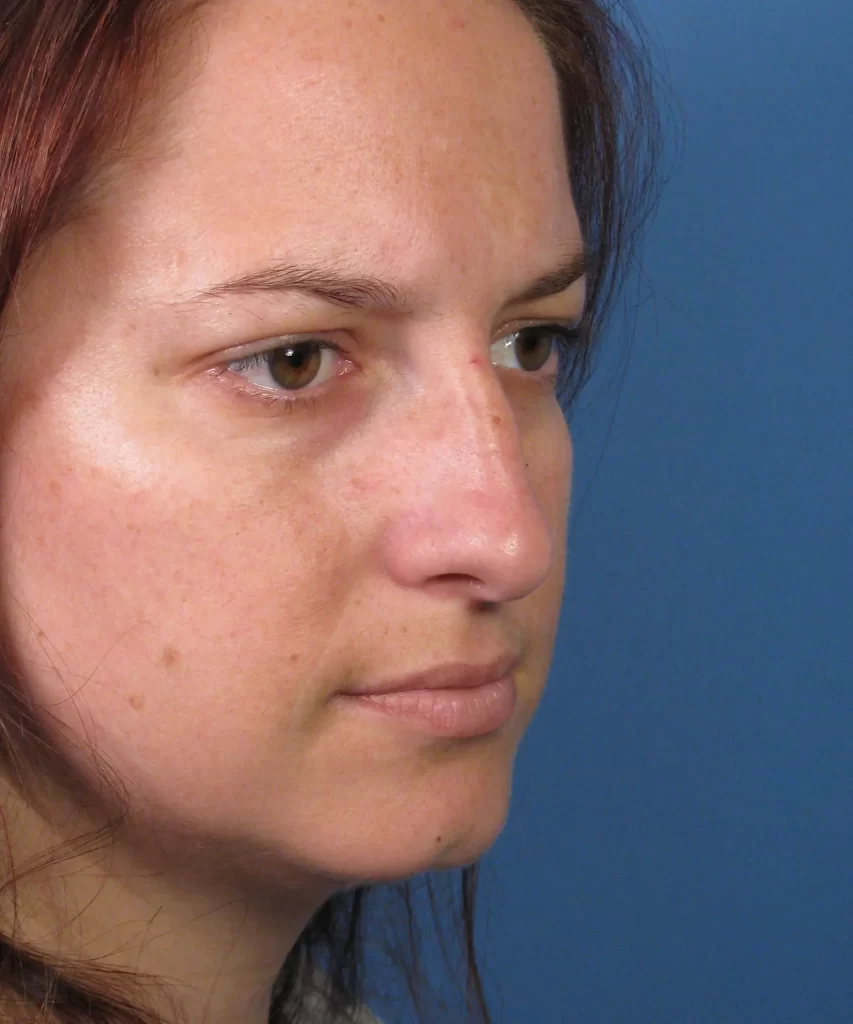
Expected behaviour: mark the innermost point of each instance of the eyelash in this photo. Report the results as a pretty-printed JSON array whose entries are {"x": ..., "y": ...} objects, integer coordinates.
[{"x": 570, "y": 345}]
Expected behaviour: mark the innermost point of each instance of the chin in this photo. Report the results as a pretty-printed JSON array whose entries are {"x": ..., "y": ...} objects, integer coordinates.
[
  {"x": 445, "y": 846},
  {"x": 443, "y": 824}
]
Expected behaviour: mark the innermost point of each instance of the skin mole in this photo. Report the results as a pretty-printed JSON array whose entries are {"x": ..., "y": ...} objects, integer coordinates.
[{"x": 170, "y": 656}]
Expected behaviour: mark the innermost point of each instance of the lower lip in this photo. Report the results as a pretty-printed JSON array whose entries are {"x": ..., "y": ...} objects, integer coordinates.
[{"x": 457, "y": 713}]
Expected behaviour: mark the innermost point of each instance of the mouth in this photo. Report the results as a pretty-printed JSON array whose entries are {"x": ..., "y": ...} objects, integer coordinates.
[
  {"x": 476, "y": 711},
  {"x": 454, "y": 700}
]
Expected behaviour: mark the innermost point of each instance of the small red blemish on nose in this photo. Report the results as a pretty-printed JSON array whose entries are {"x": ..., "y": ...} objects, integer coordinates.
[
  {"x": 458, "y": 23},
  {"x": 496, "y": 421},
  {"x": 476, "y": 361},
  {"x": 380, "y": 17}
]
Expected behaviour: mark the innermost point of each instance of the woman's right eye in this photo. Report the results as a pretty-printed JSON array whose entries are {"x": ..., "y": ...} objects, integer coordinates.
[{"x": 294, "y": 366}]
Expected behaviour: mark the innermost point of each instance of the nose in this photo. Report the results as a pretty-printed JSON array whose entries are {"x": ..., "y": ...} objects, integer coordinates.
[{"x": 467, "y": 518}]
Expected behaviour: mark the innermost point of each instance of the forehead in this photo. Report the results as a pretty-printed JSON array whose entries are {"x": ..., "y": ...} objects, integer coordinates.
[{"x": 376, "y": 129}]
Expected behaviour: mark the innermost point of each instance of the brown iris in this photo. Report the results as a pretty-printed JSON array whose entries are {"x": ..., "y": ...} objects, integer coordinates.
[
  {"x": 534, "y": 346},
  {"x": 295, "y": 366}
]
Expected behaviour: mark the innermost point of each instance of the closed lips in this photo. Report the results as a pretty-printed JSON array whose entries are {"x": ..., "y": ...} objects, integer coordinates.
[{"x": 450, "y": 676}]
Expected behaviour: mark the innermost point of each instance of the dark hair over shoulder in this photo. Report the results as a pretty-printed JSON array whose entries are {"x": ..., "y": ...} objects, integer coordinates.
[{"x": 72, "y": 75}]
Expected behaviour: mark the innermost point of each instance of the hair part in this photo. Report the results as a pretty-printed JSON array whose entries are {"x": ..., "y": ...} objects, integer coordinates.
[{"x": 74, "y": 78}]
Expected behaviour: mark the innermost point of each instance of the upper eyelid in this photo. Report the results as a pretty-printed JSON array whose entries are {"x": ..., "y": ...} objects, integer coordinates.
[
  {"x": 284, "y": 341},
  {"x": 275, "y": 341}
]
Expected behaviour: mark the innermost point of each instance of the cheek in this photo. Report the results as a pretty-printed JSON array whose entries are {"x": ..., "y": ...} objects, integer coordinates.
[
  {"x": 557, "y": 483},
  {"x": 181, "y": 618},
  {"x": 549, "y": 462}
]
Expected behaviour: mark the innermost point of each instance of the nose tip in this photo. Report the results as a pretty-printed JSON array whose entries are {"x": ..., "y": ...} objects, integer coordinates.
[{"x": 492, "y": 543}]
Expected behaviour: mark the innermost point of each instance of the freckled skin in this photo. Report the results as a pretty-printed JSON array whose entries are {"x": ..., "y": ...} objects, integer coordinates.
[{"x": 214, "y": 569}]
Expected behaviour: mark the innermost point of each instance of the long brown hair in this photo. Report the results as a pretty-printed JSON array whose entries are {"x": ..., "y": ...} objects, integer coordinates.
[{"x": 72, "y": 81}]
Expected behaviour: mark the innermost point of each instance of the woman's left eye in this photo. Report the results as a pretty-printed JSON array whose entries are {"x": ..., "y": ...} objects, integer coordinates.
[{"x": 533, "y": 348}]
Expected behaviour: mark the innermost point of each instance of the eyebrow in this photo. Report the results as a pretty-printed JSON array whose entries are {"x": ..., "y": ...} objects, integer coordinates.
[{"x": 371, "y": 293}]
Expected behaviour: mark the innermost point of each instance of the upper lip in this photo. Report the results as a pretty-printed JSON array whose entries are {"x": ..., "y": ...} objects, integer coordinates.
[{"x": 455, "y": 675}]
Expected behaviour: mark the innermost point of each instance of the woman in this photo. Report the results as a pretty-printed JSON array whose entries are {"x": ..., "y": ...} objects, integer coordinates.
[{"x": 295, "y": 295}]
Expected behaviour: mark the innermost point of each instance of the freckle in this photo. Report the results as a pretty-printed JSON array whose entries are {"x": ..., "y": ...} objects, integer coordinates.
[
  {"x": 438, "y": 839},
  {"x": 294, "y": 658},
  {"x": 169, "y": 656},
  {"x": 496, "y": 421},
  {"x": 380, "y": 17},
  {"x": 348, "y": 22},
  {"x": 137, "y": 702}
]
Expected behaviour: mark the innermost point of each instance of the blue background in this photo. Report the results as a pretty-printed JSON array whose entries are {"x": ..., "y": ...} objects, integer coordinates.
[{"x": 680, "y": 847}]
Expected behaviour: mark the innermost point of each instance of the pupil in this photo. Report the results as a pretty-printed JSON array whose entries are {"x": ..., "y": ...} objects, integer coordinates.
[{"x": 530, "y": 339}]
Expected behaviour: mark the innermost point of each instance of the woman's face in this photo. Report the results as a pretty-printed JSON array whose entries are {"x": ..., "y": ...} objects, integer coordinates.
[{"x": 202, "y": 550}]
